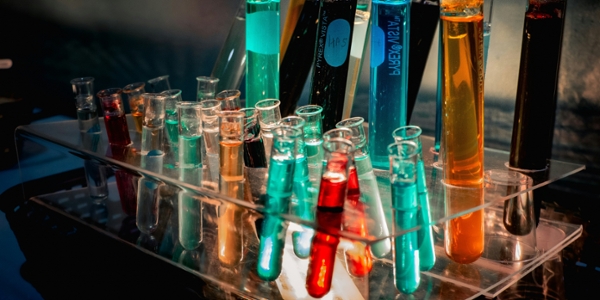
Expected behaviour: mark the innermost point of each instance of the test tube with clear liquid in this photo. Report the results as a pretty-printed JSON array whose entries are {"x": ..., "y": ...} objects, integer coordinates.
[
  {"x": 313, "y": 139},
  {"x": 154, "y": 122},
  {"x": 230, "y": 99},
  {"x": 210, "y": 132},
  {"x": 207, "y": 87},
  {"x": 268, "y": 115}
]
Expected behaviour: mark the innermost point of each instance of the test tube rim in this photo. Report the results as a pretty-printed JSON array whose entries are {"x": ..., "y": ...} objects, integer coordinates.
[
  {"x": 417, "y": 133},
  {"x": 133, "y": 87},
  {"x": 157, "y": 79}
]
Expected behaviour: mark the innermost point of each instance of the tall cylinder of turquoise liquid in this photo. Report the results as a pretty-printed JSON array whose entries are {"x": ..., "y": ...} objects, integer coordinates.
[
  {"x": 368, "y": 186},
  {"x": 389, "y": 74},
  {"x": 262, "y": 50},
  {"x": 303, "y": 191},
  {"x": 403, "y": 179},
  {"x": 425, "y": 235},
  {"x": 279, "y": 191},
  {"x": 190, "y": 171}
]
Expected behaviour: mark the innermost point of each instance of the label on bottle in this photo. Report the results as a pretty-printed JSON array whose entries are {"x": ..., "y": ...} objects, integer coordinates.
[
  {"x": 262, "y": 32},
  {"x": 377, "y": 46},
  {"x": 337, "y": 42}
]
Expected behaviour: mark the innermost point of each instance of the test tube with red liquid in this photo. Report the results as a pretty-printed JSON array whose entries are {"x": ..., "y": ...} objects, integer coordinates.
[{"x": 114, "y": 116}]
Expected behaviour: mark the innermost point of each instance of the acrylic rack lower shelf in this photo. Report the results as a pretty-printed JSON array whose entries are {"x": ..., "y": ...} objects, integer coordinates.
[{"x": 485, "y": 277}]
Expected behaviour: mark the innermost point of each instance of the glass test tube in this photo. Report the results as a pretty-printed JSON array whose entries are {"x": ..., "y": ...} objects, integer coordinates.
[
  {"x": 368, "y": 186},
  {"x": 330, "y": 65},
  {"x": 190, "y": 220},
  {"x": 389, "y": 74},
  {"x": 330, "y": 208},
  {"x": 83, "y": 86},
  {"x": 357, "y": 52},
  {"x": 262, "y": 50},
  {"x": 172, "y": 97},
  {"x": 299, "y": 56},
  {"x": 134, "y": 92},
  {"x": 268, "y": 115},
  {"x": 115, "y": 120},
  {"x": 230, "y": 99},
  {"x": 159, "y": 84},
  {"x": 210, "y": 131},
  {"x": 231, "y": 151},
  {"x": 148, "y": 195},
  {"x": 403, "y": 178},
  {"x": 190, "y": 142},
  {"x": 304, "y": 195},
  {"x": 207, "y": 87},
  {"x": 313, "y": 137},
  {"x": 279, "y": 191},
  {"x": 230, "y": 65},
  {"x": 425, "y": 234},
  {"x": 154, "y": 122},
  {"x": 254, "y": 148},
  {"x": 535, "y": 110},
  {"x": 462, "y": 123},
  {"x": 87, "y": 114}
]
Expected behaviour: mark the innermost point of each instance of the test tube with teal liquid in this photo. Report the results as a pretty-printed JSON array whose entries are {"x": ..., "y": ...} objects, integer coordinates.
[
  {"x": 390, "y": 32},
  {"x": 368, "y": 186},
  {"x": 190, "y": 142},
  {"x": 303, "y": 194},
  {"x": 262, "y": 50},
  {"x": 279, "y": 191},
  {"x": 172, "y": 97},
  {"x": 403, "y": 178},
  {"x": 425, "y": 234}
]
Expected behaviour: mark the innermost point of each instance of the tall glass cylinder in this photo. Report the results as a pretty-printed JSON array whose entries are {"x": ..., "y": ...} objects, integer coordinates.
[
  {"x": 368, "y": 186},
  {"x": 262, "y": 50},
  {"x": 268, "y": 115},
  {"x": 230, "y": 99},
  {"x": 359, "y": 42},
  {"x": 231, "y": 61},
  {"x": 462, "y": 122},
  {"x": 279, "y": 191},
  {"x": 207, "y": 87},
  {"x": 298, "y": 58},
  {"x": 332, "y": 56},
  {"x": 403, "y": 179},
  {"x": 134, "y": 92},
  {"x": 231, "y": 151},
  {"x": 426, "y": 246},
  {"x": 159, "y": 84},
  {"x": 389, "y": 74},
  {"x": 114, "y": 116},
  {"x": 330, "y": 208},
  {"x": 154, "y": 122},
  {"x": 533, "y": 127}
]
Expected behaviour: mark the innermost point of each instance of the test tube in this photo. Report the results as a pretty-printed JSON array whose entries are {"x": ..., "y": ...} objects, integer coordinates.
[
  {"x": 313, "y": 137},
  {"x": 190, "y": 220},
  {"x": 303, "y": 191},
  {"x": 230, "y": 99},
  {"x": 190, "y": 142},
  {"x": 210, "y": 132},
  {"x": 115, "y": 120},
  {"x": 207, "y": 87},
  {"x": 254, "y": 148},
  {"x": 279, "y": 190},
  {"x": 262, "y": 50},
  {"x": 403, "y": 179},
  {"x": 268, "y": 115},
  {"x": 368, "y": 186},
  {"x": 230, "y": 65},
  {"x": 388, "y": 103},
  {"x": 89, "y": 128},
  {"x": 134, "y": 92},
  {"x": 231, "y": 151},
  {"x": 154, "y": 122},
  {"x": 159, "y": 84},
  {"x": 83, "y": 86},
  {"x": 148, "y": 194},
  {"x": 330, "y": 208},
  {"x": 87, "y": 114},
  {"x": 426, "y": 246},
  {"x": 330, "y": 65},
  {"x": 172, "y": 97}
]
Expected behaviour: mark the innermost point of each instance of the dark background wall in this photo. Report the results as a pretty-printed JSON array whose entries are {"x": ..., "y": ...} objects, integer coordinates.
[{"x": 121, "y": 42}]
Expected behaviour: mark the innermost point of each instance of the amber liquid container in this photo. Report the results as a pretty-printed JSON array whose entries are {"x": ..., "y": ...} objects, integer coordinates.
[{"x": 462, "y": 117}]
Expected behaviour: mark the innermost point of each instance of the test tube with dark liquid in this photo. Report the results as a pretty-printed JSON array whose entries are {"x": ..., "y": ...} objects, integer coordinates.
[
  {"x": 254, "y": 148},
  {"x": 114, "y": 116},
  {"x": 332, "y": 54},
  {"x": 330, "y": 208},
  {"x": 279, "y": 190}
]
